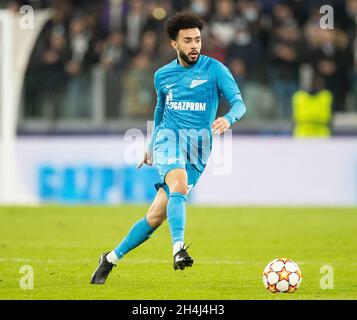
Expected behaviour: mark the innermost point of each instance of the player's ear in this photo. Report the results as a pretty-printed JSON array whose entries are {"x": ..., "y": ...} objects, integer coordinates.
[{"x": 174, "y": 44}]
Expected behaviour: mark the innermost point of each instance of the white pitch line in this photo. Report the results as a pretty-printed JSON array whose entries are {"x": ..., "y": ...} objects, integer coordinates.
[{"x": 145, "y": 261}]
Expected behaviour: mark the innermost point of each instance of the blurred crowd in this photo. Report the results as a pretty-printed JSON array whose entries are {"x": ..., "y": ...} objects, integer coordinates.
[{"x": 273, "y": 44}]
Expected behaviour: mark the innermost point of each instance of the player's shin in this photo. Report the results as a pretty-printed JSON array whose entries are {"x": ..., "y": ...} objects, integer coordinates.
[
  {"x": 140, "y": 232},
  {"x": 176, "y": 217}
]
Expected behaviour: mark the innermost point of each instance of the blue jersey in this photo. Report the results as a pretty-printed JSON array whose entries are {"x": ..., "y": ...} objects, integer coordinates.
[{"x": 188, "y": 97}]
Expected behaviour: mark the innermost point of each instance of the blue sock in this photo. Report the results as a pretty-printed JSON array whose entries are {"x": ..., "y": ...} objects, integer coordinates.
[
  {"x": 140, "y": 232},
  {"x": 176, "y": 215}
]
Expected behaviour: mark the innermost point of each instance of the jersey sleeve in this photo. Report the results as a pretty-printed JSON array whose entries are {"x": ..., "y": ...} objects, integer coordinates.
[
  {"x": 228, "y": 87},
  {"x": 159, "y": 109}
]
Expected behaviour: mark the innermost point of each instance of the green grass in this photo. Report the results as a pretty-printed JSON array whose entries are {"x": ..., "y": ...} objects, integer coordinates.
[{"x": 231, "y": 247}]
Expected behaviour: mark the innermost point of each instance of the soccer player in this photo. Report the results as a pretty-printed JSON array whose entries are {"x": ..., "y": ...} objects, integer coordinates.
[{"x": 188, "y": 93}]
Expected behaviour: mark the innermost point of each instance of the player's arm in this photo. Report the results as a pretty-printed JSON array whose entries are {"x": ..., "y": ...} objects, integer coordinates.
[
  {"x": 158, "y": 116},
  {"x": 229, "y": 88}
]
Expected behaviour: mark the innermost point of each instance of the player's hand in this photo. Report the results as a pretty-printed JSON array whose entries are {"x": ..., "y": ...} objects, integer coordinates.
[
  {"x": 147, "y": 160},
  {"x": 220, "y": 125}
]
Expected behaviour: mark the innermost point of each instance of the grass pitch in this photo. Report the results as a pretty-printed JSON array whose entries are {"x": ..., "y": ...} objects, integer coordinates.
[{"x": 230, "y": 246}]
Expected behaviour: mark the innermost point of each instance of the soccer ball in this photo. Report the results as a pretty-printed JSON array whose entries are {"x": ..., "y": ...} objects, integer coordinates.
[{"x": 282, "y": 275}]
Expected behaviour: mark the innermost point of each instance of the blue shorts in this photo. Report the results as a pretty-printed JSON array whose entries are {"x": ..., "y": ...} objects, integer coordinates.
[
  {"x": 168, "y": 155},
  {"x": 193, "y": 176}
]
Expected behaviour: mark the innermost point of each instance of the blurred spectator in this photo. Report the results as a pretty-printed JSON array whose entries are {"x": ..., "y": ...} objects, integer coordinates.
[
  {"x": 93, "y": 23},
  {"x": 312, "y": 111},
  {"x": 61, "y": 18},
  {"x": 149, "y": 45},
  {"x": 113, "y": 12},
  {"x": 81, "y": 57},
  {"x": 284, "y": 65},
  {"x": 239, "y": 71},
  {"x": 138, "y": 91},
  {"x": 222, "y": 22},
  {"x": 201, "y": 8},
  {"x": 282, "y": 13},
  {"x": 53, "y": 59},
  {"x": 350, "y": 22},
  {"x": 245, "y": 50},
  {"x": 330, "y": 59},
  {"x": 113, "y": 60},
  {"x": 114, "y": 54},
  {"x": 167, "y": 54},
  {"x": 134, "y": 23},
  {"x": 213, "y": 47},
  {"x": 250, "y": 12},
  {"x": 33, "y": 83}
]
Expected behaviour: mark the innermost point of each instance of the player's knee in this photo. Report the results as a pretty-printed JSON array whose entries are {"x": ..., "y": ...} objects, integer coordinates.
[
  {"x": 155, "y": 218},
  {"x": 179, "y": 186}
]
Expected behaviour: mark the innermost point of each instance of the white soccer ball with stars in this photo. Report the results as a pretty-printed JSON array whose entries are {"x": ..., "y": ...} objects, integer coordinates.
[{"x": 282, "y": 275}]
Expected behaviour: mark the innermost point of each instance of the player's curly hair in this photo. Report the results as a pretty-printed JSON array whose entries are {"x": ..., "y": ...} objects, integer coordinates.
[{"x": 183, "y": 20}]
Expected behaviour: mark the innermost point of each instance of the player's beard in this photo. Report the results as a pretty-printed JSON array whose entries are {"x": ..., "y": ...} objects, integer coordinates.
[{"x": 187, "y": 59}]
